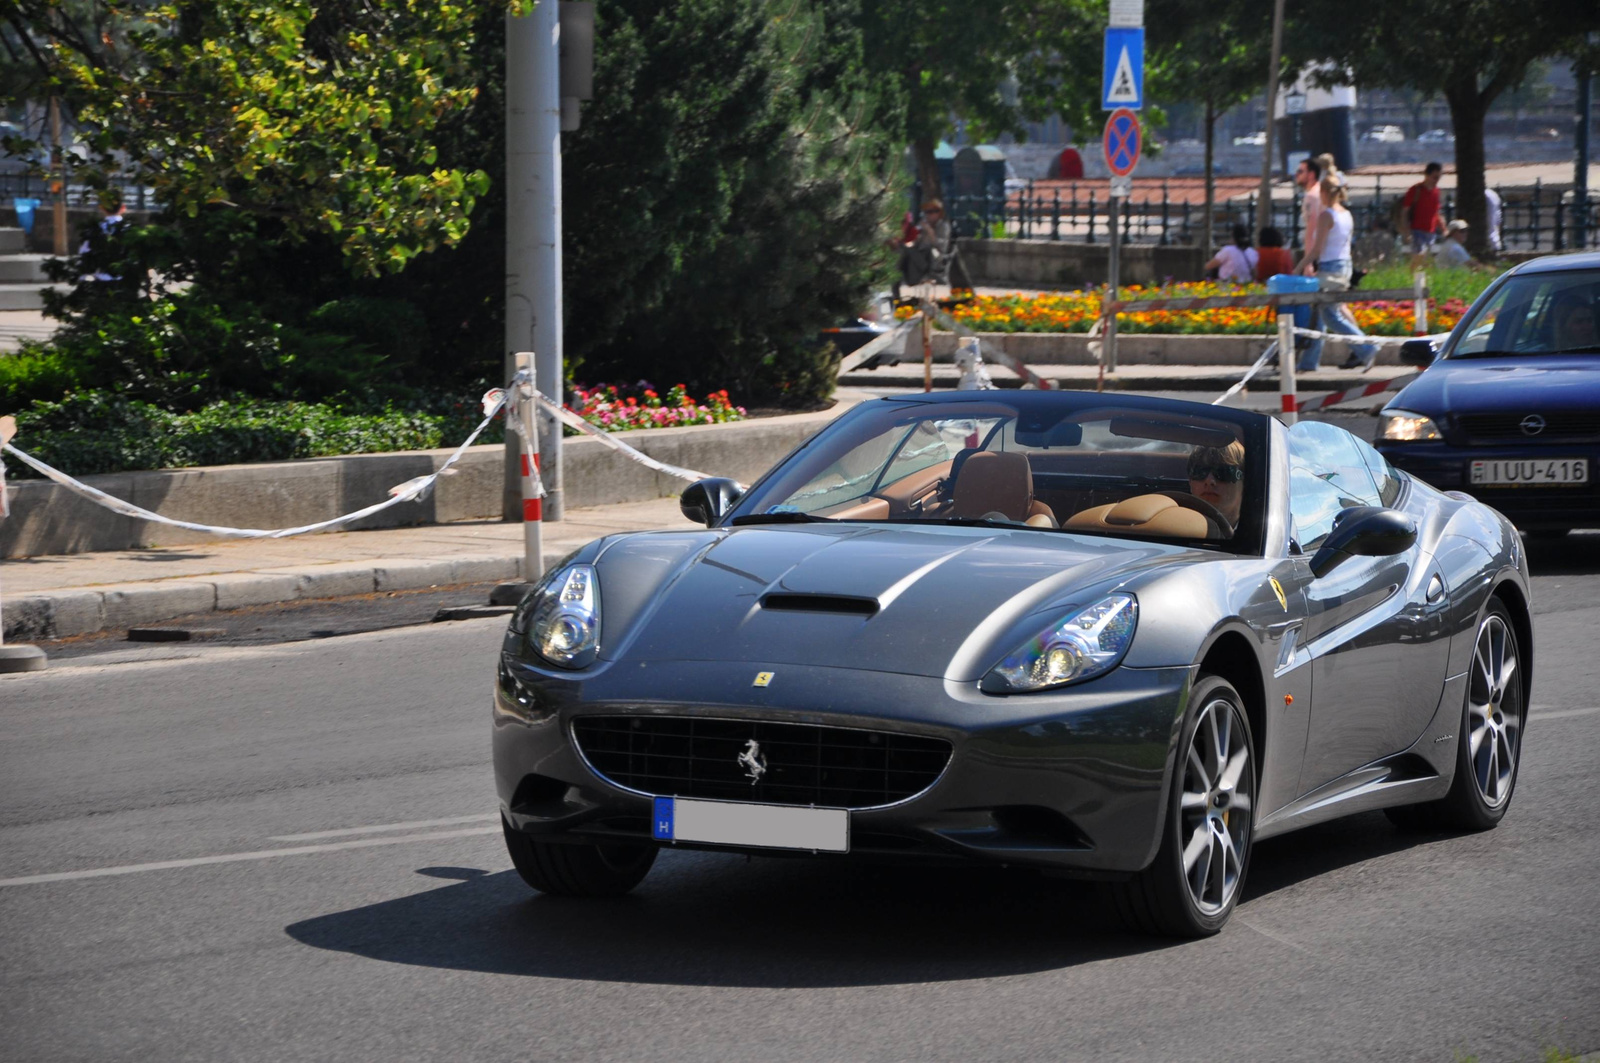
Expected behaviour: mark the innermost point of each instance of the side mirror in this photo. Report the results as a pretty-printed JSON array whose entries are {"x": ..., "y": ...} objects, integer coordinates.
[
  {"x": 1417, "y": 352},
  {"x": 1364, "y": 531},
  {"x": 708, "y": 501}
]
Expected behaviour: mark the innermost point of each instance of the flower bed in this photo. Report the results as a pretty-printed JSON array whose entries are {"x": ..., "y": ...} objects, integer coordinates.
[
  {"x": 1076, "y": 312},
  {"x": 608, "y": 407}
]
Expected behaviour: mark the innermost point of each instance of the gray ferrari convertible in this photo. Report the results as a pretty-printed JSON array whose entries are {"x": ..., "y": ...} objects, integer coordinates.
[{"x": 1101, "y": 635}]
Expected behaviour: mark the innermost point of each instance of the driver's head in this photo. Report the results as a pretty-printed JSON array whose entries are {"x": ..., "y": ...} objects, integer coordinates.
[
  {"x": 1575, "y": 324},
  {"x": 1216, "y": 475}
]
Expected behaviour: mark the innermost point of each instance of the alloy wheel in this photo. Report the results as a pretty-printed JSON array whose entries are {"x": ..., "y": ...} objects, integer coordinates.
[
  {"x": 1216, "y": 806},
  {"x": 1494, "y": 711}
]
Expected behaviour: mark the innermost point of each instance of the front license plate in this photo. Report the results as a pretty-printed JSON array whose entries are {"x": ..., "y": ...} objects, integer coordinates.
[
  {"x": 1544, "y": 472},
  {"x": 758, "y": 826}
]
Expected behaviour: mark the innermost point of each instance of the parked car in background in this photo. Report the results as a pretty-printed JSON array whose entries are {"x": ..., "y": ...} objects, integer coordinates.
[
  {"x": 1436, "y": 136},
  {"x": 1509, "y": 410},
  {"x": 1256, "y": 139},
  {"x": 1385, "y": 134}
]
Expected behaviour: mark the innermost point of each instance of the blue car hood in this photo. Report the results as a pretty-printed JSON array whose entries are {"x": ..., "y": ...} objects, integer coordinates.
[
  {"x": 929, "y": 587},
  {"x": 1507, "y": 385}
]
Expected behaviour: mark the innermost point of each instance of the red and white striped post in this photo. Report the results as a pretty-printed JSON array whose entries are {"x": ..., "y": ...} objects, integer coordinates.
[
  {"x": 1419, "y": 304},
  {"x": 532, "y": 502},
  {"x": 1286, "y": 355}
]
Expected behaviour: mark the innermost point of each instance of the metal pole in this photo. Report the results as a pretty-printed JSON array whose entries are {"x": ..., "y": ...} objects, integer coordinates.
[
  {"x": 1419, "y": 287},
  {"x": 1286, "y": 382},
  {"x": 533, "y": 232},
  {"x": 1264, "y": 201},
  {"x": 1580, "y": 162},
  {"x": 1110, "y": 347},
  {"x": 927, "y": 350},
  {"x": 532, "y": 505}
]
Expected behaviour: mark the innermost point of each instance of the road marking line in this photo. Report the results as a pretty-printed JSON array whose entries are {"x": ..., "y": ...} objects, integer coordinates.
[
  {"x": 231, "y": 858},
  {"x": 1560, "y": 713},
  {"x": 415, "y": 824}
]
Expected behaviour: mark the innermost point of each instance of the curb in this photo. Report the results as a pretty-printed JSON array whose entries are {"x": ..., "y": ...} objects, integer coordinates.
[{"x": 88, "y": 610}]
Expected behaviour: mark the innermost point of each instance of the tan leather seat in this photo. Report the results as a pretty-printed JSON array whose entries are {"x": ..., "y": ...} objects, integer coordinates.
[
  {"x": 998, "y": 482},
  {"x": 1144, "y": 515}
]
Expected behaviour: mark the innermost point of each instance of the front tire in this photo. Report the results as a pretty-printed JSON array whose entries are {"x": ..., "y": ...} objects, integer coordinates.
[
  {"x": 564, "y": 870},
  {"x": 1489, "y": 744},
  {"x": 1195, "y": 880}
]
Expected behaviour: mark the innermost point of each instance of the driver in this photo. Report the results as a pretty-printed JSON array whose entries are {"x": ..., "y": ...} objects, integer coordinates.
[
  {"x": 1575, "y": 326},
  {"x": 1216, "y": 475}
]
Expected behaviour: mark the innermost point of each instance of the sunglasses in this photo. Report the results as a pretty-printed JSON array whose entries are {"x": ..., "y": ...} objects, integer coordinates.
[{"x": 1223, "y": 474}]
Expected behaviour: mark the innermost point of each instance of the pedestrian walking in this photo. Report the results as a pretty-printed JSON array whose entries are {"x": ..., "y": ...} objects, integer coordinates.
[
  {"x": 1328, "y": 258},
  {"x": 1418, "y": 212},
  {"x": 1308, "y": 175}
]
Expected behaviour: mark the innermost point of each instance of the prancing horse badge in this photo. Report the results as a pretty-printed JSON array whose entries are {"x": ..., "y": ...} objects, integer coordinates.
[
  {"x": 765, "y": 678},
  {"x": 1277, "y": 588}
]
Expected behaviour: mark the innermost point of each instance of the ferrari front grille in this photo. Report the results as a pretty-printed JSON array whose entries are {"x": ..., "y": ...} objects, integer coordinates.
[{"x": 758, "y": 760}]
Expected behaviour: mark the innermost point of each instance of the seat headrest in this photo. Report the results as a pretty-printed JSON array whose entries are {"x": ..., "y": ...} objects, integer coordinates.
[{"x": 994, "y": 482}]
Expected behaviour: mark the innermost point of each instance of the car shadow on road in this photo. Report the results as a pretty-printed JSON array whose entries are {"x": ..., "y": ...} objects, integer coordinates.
[
  {"x": 716, "y": 920},
  {"x": 1575, "y": 554},
  {"x": 1278, "y": 863}
]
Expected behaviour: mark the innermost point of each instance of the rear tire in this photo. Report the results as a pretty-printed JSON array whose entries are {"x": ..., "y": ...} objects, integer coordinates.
[
  {"x": 1489, "y": 742},
  {"x": 1191, "y": 887},
  {"x": 564, "y": 870}
]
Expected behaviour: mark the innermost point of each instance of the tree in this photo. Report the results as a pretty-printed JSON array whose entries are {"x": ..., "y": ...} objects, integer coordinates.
[
  {"x": 1212, "y": 54},
  {"x": 1469, "y": 51}
]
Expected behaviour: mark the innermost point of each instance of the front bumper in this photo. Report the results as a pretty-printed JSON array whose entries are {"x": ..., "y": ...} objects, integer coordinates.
[
  {"x": 1074, "y": 780},
  {"x": 1447, "y": 466}
]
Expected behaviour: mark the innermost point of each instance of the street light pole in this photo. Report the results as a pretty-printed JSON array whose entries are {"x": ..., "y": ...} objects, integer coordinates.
[
  {"x": 1580, "y": 170},
  {"x": 533, "y": 234},
  {"x": 1264, "y": 200}
]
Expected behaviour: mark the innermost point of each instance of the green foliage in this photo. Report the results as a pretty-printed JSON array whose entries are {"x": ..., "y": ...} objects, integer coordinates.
[
  {"x": 99, "y": 432},
  {"x": 35, "y": 373},
  {"x": 317, "y": 115},
  {"x": 1463, "y": 284}
]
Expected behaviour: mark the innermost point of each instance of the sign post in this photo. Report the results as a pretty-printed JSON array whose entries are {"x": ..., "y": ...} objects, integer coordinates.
[{"x": 1121, "y": 93}]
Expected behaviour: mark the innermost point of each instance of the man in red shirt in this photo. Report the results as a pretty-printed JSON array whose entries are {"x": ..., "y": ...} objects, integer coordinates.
[{"x": 1421, "y": 204}]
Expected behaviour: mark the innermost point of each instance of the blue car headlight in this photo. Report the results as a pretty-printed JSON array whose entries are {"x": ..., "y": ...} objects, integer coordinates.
[
  {"x": 563, "y": 624},
  {"x": 1088, "y": 643}
]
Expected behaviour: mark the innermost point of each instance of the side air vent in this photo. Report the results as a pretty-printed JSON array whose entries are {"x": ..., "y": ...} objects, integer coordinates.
[{"x": 821, "y": 603}]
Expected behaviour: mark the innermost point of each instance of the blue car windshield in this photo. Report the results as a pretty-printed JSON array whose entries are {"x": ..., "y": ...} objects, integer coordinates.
[
  {"x": 1536, "y": 313},
  {"x": 1043, "y": 461}
]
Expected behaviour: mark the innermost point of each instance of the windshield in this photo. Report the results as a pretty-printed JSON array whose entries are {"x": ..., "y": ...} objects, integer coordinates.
[
  {"x": 1537, "y": 313},
  {"x": 1048, "y": 461}
]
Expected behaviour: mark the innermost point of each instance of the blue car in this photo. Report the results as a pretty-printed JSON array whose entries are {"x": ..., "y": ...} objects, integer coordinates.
[{"x": 1509, "y": 410}]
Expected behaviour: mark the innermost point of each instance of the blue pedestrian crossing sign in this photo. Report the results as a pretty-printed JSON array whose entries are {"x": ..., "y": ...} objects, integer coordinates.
[{"x": 1122, "y": 76}]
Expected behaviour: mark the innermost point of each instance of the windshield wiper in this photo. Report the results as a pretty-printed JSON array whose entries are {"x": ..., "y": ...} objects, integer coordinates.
[
  {"x": 1489, "y": 354},
  {"x": 779, "y": 518}
]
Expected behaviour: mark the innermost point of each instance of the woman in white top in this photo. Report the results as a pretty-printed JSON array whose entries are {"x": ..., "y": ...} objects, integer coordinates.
[
  {"x": 1329, "y": 251},
  {"x": 1236, "y": 262}
]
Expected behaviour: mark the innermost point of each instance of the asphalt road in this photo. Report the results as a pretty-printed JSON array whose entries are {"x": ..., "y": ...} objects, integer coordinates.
[{"x": 289, "y": 851}]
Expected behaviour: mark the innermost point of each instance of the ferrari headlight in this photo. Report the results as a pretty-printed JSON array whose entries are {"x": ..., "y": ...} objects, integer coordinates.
[
  {"x": 1405, "y": 426},
  {"x": 1088, "y": 643},
  {"x": 564, "y": 627}
]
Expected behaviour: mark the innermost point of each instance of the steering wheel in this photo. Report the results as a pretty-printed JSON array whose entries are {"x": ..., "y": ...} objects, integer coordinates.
[{"x": 1204, "y": 508}]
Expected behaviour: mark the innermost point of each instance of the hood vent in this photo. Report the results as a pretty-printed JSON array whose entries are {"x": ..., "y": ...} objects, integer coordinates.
[{"x": 821, "y": 603}]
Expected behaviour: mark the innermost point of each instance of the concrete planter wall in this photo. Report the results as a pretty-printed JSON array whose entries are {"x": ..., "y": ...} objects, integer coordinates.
[
  {"x": 1059, "y": 264},
  {"x": 48, "y": 519}
]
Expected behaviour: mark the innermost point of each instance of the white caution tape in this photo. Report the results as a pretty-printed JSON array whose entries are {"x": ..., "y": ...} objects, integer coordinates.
[
  {"x": 876, "y": 344},
  {"x": 413, "y": 490},
  {"x": 567, "y": 417},
  {"x": 1365, "y": 340},
  {"x": 1266, "y": 355},
  {"x": 993, "y": 353}
]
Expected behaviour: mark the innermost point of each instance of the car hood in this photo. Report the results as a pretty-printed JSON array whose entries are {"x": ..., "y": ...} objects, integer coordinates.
[
  {"x": 1488, "y": 385},
  {"x": 885, "y": 598}
]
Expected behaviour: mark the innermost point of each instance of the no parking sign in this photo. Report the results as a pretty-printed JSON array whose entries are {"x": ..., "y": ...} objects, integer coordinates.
[{"x": 1122, "y": 142}]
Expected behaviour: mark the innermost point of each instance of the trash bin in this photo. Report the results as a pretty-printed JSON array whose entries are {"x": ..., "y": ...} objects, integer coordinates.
[
  {"x": 1283, "y": 284},
  {"x": 25, "y": 209}
]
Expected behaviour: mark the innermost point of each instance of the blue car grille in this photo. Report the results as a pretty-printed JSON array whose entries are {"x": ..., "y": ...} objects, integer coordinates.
[
  {"x": 1502, "y": 427},
  {"x": 686, "y": 756}
]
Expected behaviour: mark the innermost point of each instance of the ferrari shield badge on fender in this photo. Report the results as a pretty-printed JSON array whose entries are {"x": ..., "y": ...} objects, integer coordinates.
[
  {"x": 1277, "y": 588},
  {"x": 765, "y": 678}
]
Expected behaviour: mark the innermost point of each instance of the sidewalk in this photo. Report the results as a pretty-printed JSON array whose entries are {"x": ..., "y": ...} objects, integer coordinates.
[{"x": 77, "y": 594}]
